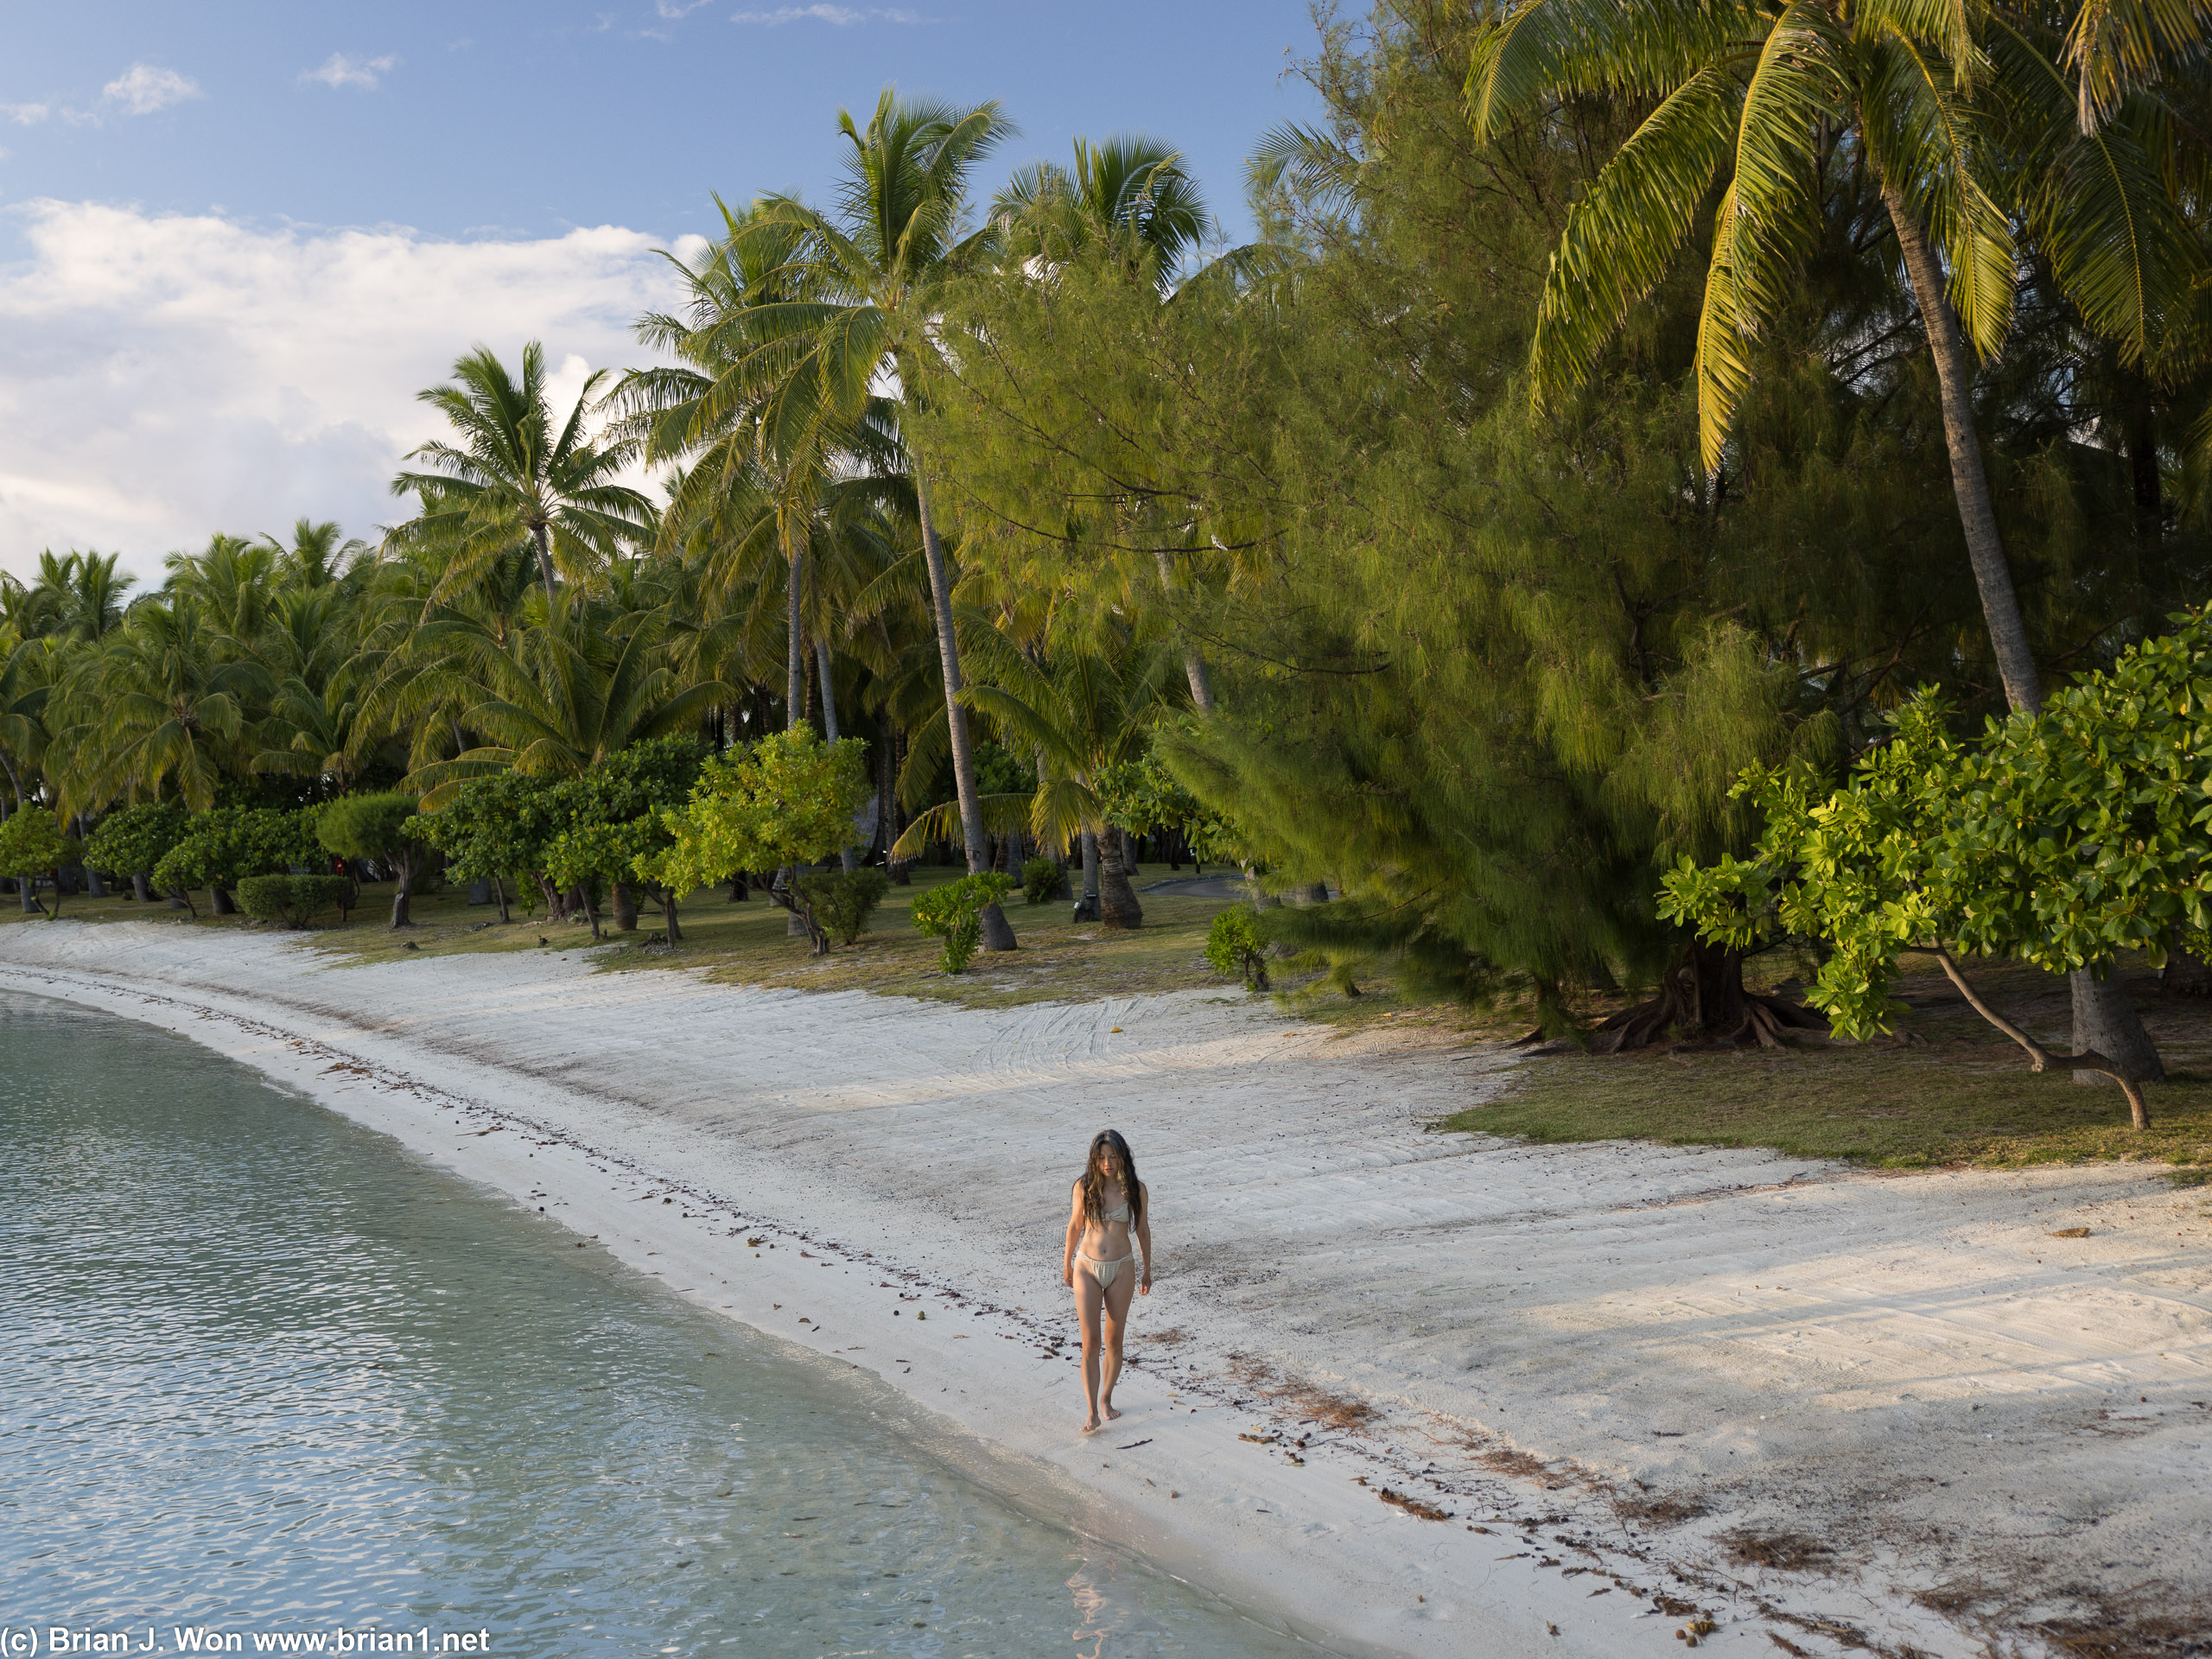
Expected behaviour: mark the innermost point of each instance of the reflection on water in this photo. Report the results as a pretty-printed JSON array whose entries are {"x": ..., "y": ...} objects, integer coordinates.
[{"x": 266, "y": 1372}]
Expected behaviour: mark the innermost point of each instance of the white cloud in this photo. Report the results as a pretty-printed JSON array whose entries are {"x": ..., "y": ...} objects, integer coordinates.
[
  {"x": 26, "y": 115},
  {"x": 339, "y": 70},
  {"x": 145, "y": 88},
  {"x": 164, "y": 377},
  {"x": 843, "y": 16}
]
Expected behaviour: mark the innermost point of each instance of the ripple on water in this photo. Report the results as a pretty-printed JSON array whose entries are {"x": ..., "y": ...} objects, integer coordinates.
[{"x": 265, "y": 1371}]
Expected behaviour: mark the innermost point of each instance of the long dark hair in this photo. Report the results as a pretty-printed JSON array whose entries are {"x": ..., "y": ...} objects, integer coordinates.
[{"x": 1125, "y": 1167}]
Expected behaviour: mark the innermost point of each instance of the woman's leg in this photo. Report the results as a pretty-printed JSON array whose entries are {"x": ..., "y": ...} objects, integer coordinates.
[
  {"x": 1117, "y": 1300},
  {"x": 1086, "y": 1310}
]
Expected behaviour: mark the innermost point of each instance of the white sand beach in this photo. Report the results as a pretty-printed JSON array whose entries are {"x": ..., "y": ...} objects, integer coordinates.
[{"x": 1406, "y": 1392}]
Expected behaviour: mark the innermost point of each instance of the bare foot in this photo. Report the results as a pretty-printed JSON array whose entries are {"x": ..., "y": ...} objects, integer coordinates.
[
  {"x": 1111, "y": 1413},
  {"x": 1093, "y": 1426}
]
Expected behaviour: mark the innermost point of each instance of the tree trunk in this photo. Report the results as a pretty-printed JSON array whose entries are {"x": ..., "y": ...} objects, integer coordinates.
[
  {"x": 2185, "y": 974},
  {"x": 739, "y": 891},
  {"x": 668, "y": 915},
  {"x": 1194, "y": 663},
  {"x": 795, "y": 638},
  {"x": 220, "y": 902},
  {"x": 544, "y": 562},
  {"x": 2123, "y": 1041},
  {"x": 1701, "y": 1000},
  {"x": 829, "y": 729},
  {"x": 2101, "y": 1009},
  {"x": 499, "y": 892},
  {"x": 2000, "y": 604},
  {"x": 998, "y": 935},
  {"x": 794, "y": 692},
  {"x": 1117, "y": 899},
  {"x": 399, "y": 902},
  {"x": 1086, "y": 909},
  {"x": 556, "y": 902},
  {"x": 591, "y": 913},
  {"x": 142, "y": 889},
  {"x": 886, "y": 740},
  {"x": 625, "y": 908}
]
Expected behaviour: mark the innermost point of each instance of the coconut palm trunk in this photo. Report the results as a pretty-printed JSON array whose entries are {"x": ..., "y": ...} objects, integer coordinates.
[
  {"x": 1117, "y": 896},
  {"x": 1194, "y": 662},
  {"x": 537, "y": 541},
  {"x": 794, "y": 691},
  {"x": 2105, "y": 1020},
  {"x": 845, "y": 854},
  {"x": 998, "y": 935},
  {"x": 1087, "y": 910}
]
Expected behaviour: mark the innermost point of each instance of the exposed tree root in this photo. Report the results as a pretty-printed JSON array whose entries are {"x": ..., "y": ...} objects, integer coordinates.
[{"x": 1701, "y": 998}]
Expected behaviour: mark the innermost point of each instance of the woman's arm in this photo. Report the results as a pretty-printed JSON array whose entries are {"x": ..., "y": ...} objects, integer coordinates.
[
  {"x": 1144, "y": 1236},
  {"x": 1075, "y": 1232}
]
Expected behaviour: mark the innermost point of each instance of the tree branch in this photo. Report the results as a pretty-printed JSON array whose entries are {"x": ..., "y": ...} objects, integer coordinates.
[{"x": 2039, "y": 1057}]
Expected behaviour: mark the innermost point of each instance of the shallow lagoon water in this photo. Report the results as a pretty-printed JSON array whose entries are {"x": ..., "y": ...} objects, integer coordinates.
[{"x": 268, "y": 1373}]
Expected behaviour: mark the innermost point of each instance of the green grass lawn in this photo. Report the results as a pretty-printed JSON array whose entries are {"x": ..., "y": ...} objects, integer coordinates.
[
  {"x": 1953, "y": 1091},
  {"x": 746, "y": 944}
]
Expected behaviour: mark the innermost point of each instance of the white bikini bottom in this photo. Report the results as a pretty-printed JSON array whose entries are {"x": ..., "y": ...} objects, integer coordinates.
[{"x": 1105, "y": 1272}]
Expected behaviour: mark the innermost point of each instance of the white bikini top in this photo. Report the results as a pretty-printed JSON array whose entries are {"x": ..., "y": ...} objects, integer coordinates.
[{"x": 1119, "y": 1212}]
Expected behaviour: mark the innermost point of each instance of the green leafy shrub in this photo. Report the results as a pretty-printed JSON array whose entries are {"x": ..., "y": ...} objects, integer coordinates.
[
  {"x": 375, "y": 826},
  {"x": 1235, "y": 948},
  {"x": 784, "y": 802},
  {"x": 32, "y": 845},
  {"x": 184, "y": 867},
  {"x": 843, "y": 902},
  {"x": 131, "y": 839},
  {"x": 954, "y": 912},
  {"x": 2059, "y": 839},
  {"x": 1044, "y": 881},
  {"x": 293, "y": 900},
  {"x": 224, "y": 845}
]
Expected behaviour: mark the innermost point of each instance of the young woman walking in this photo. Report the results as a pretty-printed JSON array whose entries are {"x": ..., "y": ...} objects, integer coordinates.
[{"x": 1111, "y": 1207}]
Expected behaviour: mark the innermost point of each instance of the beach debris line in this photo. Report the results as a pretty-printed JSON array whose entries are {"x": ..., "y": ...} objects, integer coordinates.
[{"x": 1412, "y": 1505}]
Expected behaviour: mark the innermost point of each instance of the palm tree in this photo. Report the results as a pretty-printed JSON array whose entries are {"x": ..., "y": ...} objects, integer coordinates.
[
  {"x": 1131, "y": 185},
  {"x": 1948, "y": 107},
  {"x": 871, "y": 277},
  {"x": 1131, "y": 191},
  {"x": 764, "y": 441},
  {"x": 162, "y": 706},
  {"x": 313, "y": 635},
  {"x": 315, "y": 557},
  {"x": 513, "y": 478},
  {"x": 557, "y": 699},
  {"x": 232, "y": 582},
  {"x": 77, "y": 596},
  {"x": 26, "y": 688},
  {"x": 1082, "y": 709}
]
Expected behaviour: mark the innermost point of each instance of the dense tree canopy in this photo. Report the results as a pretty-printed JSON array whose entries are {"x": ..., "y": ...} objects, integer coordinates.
[{"x": 1615, "y": 398}]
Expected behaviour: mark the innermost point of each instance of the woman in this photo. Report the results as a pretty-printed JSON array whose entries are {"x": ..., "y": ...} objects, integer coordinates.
[{"x": 1110, "y": 1206}]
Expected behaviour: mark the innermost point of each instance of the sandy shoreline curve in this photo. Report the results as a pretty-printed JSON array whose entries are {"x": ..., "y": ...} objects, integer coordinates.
[{"x": 1403, "y": 1392}]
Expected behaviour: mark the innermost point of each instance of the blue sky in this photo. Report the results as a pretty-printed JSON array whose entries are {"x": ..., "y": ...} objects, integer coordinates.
[
  {"x": 235, "y": 240},
  {"x": 522, "y": 120}
]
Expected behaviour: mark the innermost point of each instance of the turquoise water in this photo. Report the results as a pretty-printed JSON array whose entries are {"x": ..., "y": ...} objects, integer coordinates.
[{"x": 267, "y": 1374}]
